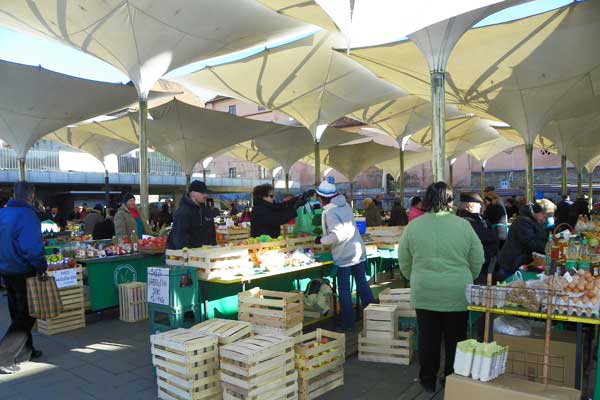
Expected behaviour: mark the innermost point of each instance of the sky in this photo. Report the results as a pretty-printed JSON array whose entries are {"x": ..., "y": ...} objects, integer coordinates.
[{"x": 27, "y": 49}]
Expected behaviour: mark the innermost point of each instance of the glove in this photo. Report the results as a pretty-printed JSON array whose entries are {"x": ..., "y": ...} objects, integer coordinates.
[
  {"x": 308, "y": 194},
  {"x": 318, "y": 240},
  {"x": 299, "y": 201}
]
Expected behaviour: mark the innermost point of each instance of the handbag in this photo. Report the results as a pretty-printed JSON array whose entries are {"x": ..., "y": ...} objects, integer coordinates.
[{"x": 43, "y": 297}]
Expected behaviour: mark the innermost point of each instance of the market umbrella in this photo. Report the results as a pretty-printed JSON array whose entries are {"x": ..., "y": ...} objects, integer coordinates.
[
  {"x": 305, "y": 80},
  {"x": 36, "y": 101}
]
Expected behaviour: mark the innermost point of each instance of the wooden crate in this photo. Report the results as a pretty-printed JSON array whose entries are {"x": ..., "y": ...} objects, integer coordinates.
[
  {"x": 218, "y": 262},
  {"x": 320, "y": 365},
  {"x": 294, "y": 332},
  {"x": 401, "y": 298},
  {"x": 270, "y": 308},
  {"x": 380, "y": 321},
  {"x": 186, "y": 364},
  {"x": 226, "y": 330},
  {"x": 133, "y": 302},
  {"x": 304, "y": 242},
  {"x": 259, "y": 368},
  {"x": 73, "y": 315},
  {"x": 176, "y": 257},
  {"x": 389, "y": 351},
  {"x": 229, "y": 234}
]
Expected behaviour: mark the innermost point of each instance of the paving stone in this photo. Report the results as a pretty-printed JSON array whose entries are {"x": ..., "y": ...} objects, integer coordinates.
[{"x": 96, "y": 375}]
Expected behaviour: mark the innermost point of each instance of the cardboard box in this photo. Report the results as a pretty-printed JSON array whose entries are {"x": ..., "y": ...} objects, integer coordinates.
[
  {"x": 504, "y": 388},
  {"x": 526, "y": 357}
]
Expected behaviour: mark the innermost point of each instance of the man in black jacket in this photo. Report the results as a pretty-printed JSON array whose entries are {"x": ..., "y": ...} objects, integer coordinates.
[
  {"x": 561, "y": 215},
  {"x": 193, "y": 224},
  {"x": 268, "y": 216},
  {"x": 470, "y": 209},
  {"x": 526, "y": 235}
]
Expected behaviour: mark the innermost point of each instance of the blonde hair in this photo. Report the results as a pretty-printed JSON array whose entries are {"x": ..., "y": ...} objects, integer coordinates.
[
  {"x": 492, "y": 197},
  {"x": 367, "y": 202}
]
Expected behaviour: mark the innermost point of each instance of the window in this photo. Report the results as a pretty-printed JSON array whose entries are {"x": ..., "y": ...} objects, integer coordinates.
[
  {"x": 261, "y": 108},
  {"x": 232, "y": 172},
  {"x": 232, "y": 110}
]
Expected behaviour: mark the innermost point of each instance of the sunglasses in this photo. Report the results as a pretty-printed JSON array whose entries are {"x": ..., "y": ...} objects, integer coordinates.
[{"x": 271, "y": 195}]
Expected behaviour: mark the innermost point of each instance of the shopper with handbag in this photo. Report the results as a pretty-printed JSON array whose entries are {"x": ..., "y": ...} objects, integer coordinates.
[{"x": 21, "y": 256}]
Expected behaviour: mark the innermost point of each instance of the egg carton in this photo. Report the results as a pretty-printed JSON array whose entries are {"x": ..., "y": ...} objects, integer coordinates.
[
  {"x": 477, "y": 295},
  {"x": 573, "y": 304}
]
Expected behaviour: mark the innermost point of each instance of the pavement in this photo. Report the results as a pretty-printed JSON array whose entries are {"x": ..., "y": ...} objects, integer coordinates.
[{"x": 110, "y": 359}]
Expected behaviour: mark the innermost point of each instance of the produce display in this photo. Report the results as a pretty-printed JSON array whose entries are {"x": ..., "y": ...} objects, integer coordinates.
[
  {"x": 152, "y": 245},
  {"x": 58, "y": 262},
  {"x": 97, "y": 249}
]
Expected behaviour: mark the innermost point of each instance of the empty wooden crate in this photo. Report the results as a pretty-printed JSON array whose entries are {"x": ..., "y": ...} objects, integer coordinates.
[
  {"x": 186, "y": 364},
  {"x": 73, "y": 315},
  {"x": 380, "y": 321},
  {"x": 390, "y": 351},
  {"x": 259, "y": 368},
  {"x": 226, "y": 330},
  {"x": 401, "y": 298},
  {"x": 133, "y": 302},
  {"x": 320, "y": 357},
  {"x": 268, "y": 308}
]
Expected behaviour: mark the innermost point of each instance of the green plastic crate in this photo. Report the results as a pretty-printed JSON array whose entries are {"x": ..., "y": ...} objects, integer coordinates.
[
  {"x": 163, "y": 318},
  {"x": 183, "y": 288}
]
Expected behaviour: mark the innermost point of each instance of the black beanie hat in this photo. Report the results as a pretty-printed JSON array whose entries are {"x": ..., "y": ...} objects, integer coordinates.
[
  {"x": 127, "y": 196},
  {"x": 198, "y": 186}
]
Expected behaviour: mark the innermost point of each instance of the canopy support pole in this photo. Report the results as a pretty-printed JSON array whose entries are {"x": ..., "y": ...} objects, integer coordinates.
[
  {"x": 287, "y": 182},
  {"x": 591, "y": 189},
  {"x": 438, "y": 162},
  {"x": 352, "y": 195},
  {"x": 188, "y": 180},
  {"x": 143, "y": 120},
  {"x": 204, "y": 175},
  {"x": 529, "y": 195},
  {"x": 451, "y": 174},
  {"x": 563, "y": 175},
  {"x": 273, "y": 180},
  {"x": 401, "y": 176},
  {"x": 317, "y": 163},
  {"x": 579, "y": 184},
  {"x": 482, "y": 179},
  {"x": 106, "y": 192},
  {"x": 21, "y": 163}
]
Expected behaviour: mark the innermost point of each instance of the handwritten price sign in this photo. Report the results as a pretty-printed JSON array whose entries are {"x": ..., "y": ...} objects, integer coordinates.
[
  {"x": 158, "y": 285},
  {"x": 65, "y": 278}
]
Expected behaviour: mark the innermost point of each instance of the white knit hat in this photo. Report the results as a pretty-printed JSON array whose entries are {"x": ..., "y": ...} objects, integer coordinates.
[{"x": 327, "y": 188}]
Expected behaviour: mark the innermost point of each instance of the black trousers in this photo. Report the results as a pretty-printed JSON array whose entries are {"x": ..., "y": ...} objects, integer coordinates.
[
  {"x": 434, "y": 325},
  {"x": 17, "y": 343}
]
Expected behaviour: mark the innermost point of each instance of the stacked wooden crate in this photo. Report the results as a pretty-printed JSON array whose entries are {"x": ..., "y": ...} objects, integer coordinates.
[
  {"x": 186, "y": 364},
  {"x": 133, "y": 302},
  {"x": 388, "y": 236},
  {"x": 320, "y": 357},
  {"x": 272, "y": 312},
  {"x": 226, "y": 331},
  {"x": 261, "y": 367},
  {"x": 381, "y": 340},
  {"x": 73, "y": 315},
  {"x": 219, "y": 262},
  {"x": 232, "y": 234},
  {"x": 401, "y": 298}
]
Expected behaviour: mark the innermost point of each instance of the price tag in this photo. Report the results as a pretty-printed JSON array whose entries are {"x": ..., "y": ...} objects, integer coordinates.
[
  {"x": 158, "y": 285},
  {"x": 568, "y": 277},
  {"x": 65, "y": 278}
]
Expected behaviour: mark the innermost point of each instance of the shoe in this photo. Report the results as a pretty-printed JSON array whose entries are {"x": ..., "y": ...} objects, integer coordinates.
[
  {"x": 35, "y": 354},
  {"x": 11, "y": 369},
  {"x": 443, "y": 381},
  {"x": 429, "y": 388}
]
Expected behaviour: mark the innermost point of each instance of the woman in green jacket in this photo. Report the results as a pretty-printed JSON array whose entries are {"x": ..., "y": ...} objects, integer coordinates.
[{"x": 440, "y": 254}]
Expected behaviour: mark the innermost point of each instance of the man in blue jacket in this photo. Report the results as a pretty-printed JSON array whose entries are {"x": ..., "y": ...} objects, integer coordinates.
[{"x": 21, "y": 256}]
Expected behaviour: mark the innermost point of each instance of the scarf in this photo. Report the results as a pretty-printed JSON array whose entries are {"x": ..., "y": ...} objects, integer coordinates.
[{"x": 134, "y": 212}]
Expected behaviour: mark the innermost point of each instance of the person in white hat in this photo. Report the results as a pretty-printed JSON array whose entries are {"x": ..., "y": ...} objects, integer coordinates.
[{"x": 347, "y": 248}]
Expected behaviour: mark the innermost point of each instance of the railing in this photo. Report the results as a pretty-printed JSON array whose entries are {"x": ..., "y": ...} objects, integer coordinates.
[{"x": 36, "y": 160}]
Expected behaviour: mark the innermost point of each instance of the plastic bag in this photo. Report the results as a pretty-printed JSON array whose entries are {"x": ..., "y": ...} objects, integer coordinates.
[
  {"x": 304, "y": 220},
  {"x": 512, "y": 326}
]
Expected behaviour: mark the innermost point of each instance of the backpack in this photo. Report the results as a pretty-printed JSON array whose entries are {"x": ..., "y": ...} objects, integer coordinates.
[{"x": 318, "y": 296}]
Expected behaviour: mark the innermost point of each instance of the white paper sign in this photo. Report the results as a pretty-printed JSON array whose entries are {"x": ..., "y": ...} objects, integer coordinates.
[
  {"x": 65, "y": 278},
  {"x": 158, "y": 285}
]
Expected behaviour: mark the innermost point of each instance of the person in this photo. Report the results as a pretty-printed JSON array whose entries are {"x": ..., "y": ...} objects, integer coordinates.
[
  {"x": 561, "y": 216},
  {"x": 245, "y": 217},
  {"x": 40, "y": 211},
  {"x": 440, "y": 254},
  {"x": 288, "y": 197},
  {"x": 83, "y": 211},
  {"x": 267, "y": 215},
  {"x": 512, "y": 209},
  {"x": 233, "y": 209},
  {"x": 75, "y": 215},
  {"x": 105, "y": 229},
  {"x": 55, "y": 216},
  {"x": 92, "y": 218},
  {"x": 164, "y": 218},
  {"x": 398, "y": 217},
  {"x": 470, "y": 209},
  {"x": 416, "y": 205},
  {"x": 550, "y": 210},
  {"x": 347, "y": 249},
  {"x": 578, "y": 209},
  {"x": 495, "y": 213},
  {"x": 21, "y": 256},
  {"x": 378, "y": 200},
  {"x": 372, "y": 214},
  {"x": 128, "y": 219},
  {"x": 527, "y": 235},
  {"x": 193, "y": 223}
]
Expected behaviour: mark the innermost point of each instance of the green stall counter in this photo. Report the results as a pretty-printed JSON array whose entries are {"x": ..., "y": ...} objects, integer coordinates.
[{"x": 104, "y": 275}]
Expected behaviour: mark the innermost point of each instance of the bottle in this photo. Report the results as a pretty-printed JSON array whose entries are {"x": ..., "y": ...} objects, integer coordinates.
[
  {"x": 134, "y": 241},
  {"x": 572, "y": 255},
  {"x": 549, "y": 247},
  {"x": 584, "y": 256}
]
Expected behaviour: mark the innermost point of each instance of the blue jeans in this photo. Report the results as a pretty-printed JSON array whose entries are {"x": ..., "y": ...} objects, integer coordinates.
[{"x": 363, "y": 289}]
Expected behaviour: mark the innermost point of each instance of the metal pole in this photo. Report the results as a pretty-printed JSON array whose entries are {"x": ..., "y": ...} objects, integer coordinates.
[
  {"x": 106, "y": 191},
  {"x": 529, "y": 195},
  {"x": 579, "y": 184},
  {"x": 273, "y": 179},
  {"x": 451, "y": 175},
  {"x": 188, "y": 179},
  {"x": 482, "y": 178},
  {"x": 21, "y": 162},
  {"x": 352, "y": 195},
  {"x": 438, "y": 162},
  {"x": 287, "y": 182},
  {"x": 143, "y": 120},
  {"x": 591, "y": 189},
  {"x": 401, "y": 176},
  {"x": 563, "y": 175},
  {"x": 204, "y": 175},
  {"x": 317, "y": 163}
]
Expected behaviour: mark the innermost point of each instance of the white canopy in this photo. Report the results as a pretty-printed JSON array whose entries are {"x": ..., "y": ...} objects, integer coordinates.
[
  {"x": 352, "y": 159},
  {"x": 247, "y": 151},
  {"x": 305, "y": 79},
  {"x": 524, "y": 72},
  {"x": 147, "y": 38},
  {"x": 369, "y": 22},
  {"x": 487, "y": 150},
  {"x": 96, "y": 145},
  {"x": 36, "y": 101},
  {"x": 411, "y": 160}
]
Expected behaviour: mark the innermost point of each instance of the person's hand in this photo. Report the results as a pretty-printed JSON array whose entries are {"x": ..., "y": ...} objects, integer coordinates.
[
  {"x": 308, "y": 194},
  {"x": 318, "y": 240}
]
